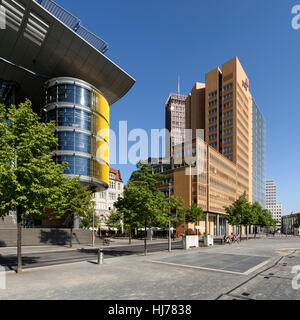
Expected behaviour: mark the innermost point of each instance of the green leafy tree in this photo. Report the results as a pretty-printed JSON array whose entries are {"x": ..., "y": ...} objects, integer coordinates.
[
  {"x": 73, "y": 199},
  {"x": 256, "y": 209},
  {"x": 239, "y": 212},
  {"x": 29, "y": 177},
  {"x": 194, "y": 214},
  {"x": 297, "y": 223},
  {"x": 143, "y": 205},
  {"x": 115, "y": 220},
  {"x": 145, "y": 177},
  {"x": 86, "y": 220},
  {"x": 126, "y": 212},
  {"x": 139, "y": 207}
]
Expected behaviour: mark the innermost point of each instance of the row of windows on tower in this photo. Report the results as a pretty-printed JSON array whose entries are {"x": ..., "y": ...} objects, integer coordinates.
[
  {"x": 228, "y": 122},
  {"x": 213, "y": 136},
  {"x": 229, "y": 86},
  {"x": 227, "y": 131},
  {"x": 213, "y": 103},
  {"x": 211, "y": 120},
  {"x": 213, "y": 128},
  {"x": 212, "y": 94},
  {"x": 228, "y": 149},
  {"x": 213, "y": 111},
  {"x": 228, "y": 104},
  {"x": 227, "y": 140},
  {"x": 227, "y": 96},
  {"x": 228, "y": 113}
]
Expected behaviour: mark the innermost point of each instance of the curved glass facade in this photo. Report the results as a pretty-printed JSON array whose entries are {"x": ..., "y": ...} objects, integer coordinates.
[{"x": 81, "y": 114}]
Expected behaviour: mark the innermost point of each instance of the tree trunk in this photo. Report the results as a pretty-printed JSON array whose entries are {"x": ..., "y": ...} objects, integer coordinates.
[
  {"x": 145, "y": 239},
  {"x": 255, "y": 232},
  {"x": 71, "y": 237},
  {"x": 71, "y": 231},
  {"x": 247, "y": 232},
  {"x": 241, "y": 228},
  {"x": 130, "y": 235},
  {"x": 19, "y": 239}
]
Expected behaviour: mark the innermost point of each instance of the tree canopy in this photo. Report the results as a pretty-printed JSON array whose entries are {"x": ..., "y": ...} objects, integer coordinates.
[{"x": 142, "y": 204}]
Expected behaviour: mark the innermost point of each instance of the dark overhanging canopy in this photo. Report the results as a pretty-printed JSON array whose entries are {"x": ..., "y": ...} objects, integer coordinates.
[{"x": 36, "y": 45}]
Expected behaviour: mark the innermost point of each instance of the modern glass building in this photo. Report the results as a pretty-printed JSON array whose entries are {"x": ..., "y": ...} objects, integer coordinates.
[
  {"x": 81, "y": 114},
  {"x": 258, "y": 156},
  {"x": 47, "y": 56}
]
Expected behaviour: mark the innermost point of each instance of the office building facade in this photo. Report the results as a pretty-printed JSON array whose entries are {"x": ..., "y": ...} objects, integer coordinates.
[
  {"x": 175, "y": 120},
  {"x": 222, "y": 107},
  {"x": 271, "y": 202},
  {"x": 200, "y": 174},
  {"x": 258, "y": 156},
  {"x": 288, "y": 224},
  {"x": 222, "y": 112},
  {"x": 104, "y": 200}
]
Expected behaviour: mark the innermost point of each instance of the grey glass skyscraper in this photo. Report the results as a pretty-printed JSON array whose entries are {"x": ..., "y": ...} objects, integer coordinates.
[{"x": 259, "y": 156}]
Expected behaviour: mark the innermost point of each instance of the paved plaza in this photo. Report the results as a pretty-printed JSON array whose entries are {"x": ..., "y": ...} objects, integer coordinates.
[{"x": 255, "y": 269}]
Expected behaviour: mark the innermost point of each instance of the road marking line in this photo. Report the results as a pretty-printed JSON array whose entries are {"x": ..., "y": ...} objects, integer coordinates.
[
  {"x": 195, "y": 267},
  {"x": 257, "y": 267},
  {"x": 247, "y": 272}
]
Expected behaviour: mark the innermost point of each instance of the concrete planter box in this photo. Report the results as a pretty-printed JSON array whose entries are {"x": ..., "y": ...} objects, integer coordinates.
[
  {"x": 209, "y": 240},
  {"x": 190, "y": 242}
]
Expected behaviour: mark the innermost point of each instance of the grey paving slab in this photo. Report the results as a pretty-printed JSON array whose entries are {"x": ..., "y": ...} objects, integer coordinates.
[{"x": 217, "y": 261}]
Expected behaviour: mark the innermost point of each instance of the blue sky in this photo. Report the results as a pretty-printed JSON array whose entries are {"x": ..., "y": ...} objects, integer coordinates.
[{"x": 154, "y": 41}]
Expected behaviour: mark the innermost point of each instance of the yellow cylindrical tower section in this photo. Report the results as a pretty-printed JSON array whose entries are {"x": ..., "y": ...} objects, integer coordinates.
[
  {"x": 101, "y": 132},
  {"x": 81, "y": 113}
]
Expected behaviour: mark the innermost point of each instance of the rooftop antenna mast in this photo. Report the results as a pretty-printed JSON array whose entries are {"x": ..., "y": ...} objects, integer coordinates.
[{"x": 178, "y": 85}]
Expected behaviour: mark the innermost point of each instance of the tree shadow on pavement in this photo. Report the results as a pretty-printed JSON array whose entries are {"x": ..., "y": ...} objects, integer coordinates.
[{"x": 10, "y": 262}]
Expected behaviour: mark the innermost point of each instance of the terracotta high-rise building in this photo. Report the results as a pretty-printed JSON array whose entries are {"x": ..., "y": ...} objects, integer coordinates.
[
  {"x": 223, "y": 108},
  {"x": 230, "y": 160}
]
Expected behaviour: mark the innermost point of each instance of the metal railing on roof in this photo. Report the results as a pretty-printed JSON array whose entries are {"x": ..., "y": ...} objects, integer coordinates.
[{"x": 74, "y": 23}]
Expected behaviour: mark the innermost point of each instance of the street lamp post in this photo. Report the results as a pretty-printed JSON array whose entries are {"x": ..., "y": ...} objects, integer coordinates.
[{"x": 93, "y": 228}]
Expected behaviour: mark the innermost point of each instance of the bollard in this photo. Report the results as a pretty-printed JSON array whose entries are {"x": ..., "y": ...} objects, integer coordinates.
[{"x": 100, "y": 256}]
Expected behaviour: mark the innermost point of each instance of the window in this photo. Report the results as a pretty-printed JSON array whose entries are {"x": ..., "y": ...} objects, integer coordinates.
[
  {"x": 228, "y": 113},
  {"x": 227, "y": 96},
  {"x": 211, "y": 120},
  {"x": 229, "y": 86},
  {"x": 66, "y": 93},
  {"x": 212, "y": 103},
  {"x": 212, "y": 94},
  {"x": 112, "y": 176},
  {"x": 112, "y": 185},
  {"x": 227, "y": 122},
  {"x": 227, "y": 140},
  {"x": 227, "y": 131},
  {"x": 102, "y": 195},
  {"x": 112, "y": 196},
  {"x": 228, "y": 104}
]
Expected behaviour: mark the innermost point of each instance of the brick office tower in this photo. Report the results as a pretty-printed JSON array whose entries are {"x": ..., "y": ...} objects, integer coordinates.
[
  {"x": 175, "y": 119},
  {"x": 222, "y": 107}
]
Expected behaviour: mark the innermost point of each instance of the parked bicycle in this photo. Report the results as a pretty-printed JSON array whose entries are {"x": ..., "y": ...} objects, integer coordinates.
[
  {"x": 227, "y": 239},
  {"x": 236, "y": 239}
]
